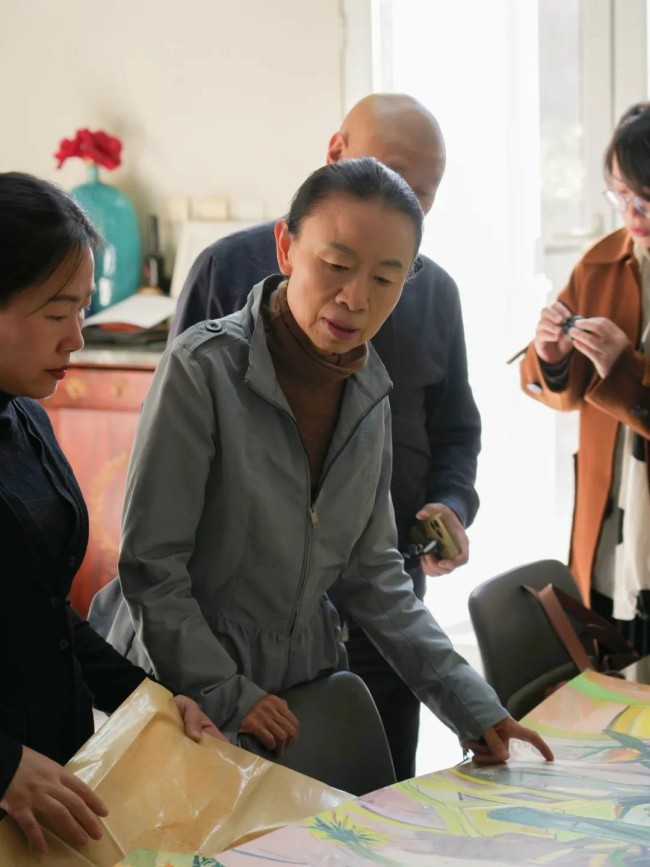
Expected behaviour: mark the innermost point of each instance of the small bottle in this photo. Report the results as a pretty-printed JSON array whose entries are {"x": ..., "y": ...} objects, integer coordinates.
[{"x": 154, "y": 266}]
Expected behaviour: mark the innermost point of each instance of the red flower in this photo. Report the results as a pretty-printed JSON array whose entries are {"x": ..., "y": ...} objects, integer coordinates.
[
  {"x": 68, "y": 147},
  {"x": 96, "y": 147}
]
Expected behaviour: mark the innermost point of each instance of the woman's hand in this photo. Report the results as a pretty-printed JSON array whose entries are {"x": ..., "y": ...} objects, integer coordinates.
[
  {"x": 431, "y": 564},
  {"x": 497, "y": 740},
  {"x": 272, "y": 723},
  {"x": 195, "y": 721},
  {"x": 43, "y": 791},
  {"x": 551, "y": 344},
  {"x": 601, "y": 340}
]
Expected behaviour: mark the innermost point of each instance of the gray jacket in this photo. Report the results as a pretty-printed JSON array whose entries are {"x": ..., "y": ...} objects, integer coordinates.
[{"x": 225, "y": 558}]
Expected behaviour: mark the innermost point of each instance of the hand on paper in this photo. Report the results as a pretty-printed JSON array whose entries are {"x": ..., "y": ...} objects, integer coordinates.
[
  {"x": 43, "y": 791},
  {"x": 430, "y": 564},
  {"x": 551, "y": 344},
  {"x": 601, "y": 340},
  {"x": 195, "y": 721},
  {"x": 497, "y": 741},
  {"x": 272, "y": 723}
]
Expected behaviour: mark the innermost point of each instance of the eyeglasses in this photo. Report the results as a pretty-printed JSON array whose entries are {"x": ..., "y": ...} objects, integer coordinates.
[{"x": 620, "y": 202}]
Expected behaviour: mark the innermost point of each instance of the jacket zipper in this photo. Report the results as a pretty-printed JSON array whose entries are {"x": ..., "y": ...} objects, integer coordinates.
[
  {"x": 313, "y": 514},
  {"x": 311, "y": 507},
  {"x": 312, "y": 524}
]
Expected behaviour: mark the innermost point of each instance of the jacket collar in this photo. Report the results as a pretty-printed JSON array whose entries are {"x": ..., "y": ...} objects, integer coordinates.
[
  {"x": 616, "y": 247},
  {"x": 363, "y": 389}
]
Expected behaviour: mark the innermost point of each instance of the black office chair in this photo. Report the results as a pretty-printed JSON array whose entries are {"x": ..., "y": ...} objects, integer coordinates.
[
  {"x": 342, "y": 741},
  {"x": 521, "y": 653}
]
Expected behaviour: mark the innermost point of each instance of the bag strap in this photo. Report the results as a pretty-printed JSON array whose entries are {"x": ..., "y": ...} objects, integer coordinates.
[
  {"x": 554, "y": 611},
  {"x": 597, "y": 627},
  {"x": 557, "y": 603}
]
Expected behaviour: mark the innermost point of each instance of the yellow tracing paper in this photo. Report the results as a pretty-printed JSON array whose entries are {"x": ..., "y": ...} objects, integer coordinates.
[{"x": 164, "y": 791}]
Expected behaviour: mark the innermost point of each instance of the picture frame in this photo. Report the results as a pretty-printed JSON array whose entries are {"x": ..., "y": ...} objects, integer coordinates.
[{"x": 195, "y": 236}]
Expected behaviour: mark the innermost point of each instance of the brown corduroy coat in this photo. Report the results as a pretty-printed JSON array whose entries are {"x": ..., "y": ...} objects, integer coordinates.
[{"x": 606, "y": 282}]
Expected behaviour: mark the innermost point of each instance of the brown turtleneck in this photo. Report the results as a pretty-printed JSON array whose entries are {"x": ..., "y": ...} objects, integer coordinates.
[{"x": 311, "y": 380}]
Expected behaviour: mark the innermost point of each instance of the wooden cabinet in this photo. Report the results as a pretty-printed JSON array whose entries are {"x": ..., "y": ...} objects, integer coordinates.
[{"x": 94, "y": 414}]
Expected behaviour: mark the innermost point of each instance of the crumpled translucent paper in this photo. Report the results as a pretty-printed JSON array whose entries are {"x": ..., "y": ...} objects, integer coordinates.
[{"x": 165, "y": 791}]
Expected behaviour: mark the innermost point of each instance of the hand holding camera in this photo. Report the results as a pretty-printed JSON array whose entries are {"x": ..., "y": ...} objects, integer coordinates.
[
  {"x": 552, "y": 343},
  {"x": 432, "y": 536},
  {"x": 602, "y": 342},
  {"x": 439, "y": 539},
  {"x": 570, "y": 323}
]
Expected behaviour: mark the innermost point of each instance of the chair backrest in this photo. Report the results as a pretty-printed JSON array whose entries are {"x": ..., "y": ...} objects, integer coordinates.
[
  {"x": 342, "y": 741},
  {"x": 522, "y": 656}
]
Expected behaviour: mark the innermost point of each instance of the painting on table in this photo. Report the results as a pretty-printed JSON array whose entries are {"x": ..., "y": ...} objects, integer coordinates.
[
  {"x": 589, "y": 807},
  {"x": 149, "y": 858}
]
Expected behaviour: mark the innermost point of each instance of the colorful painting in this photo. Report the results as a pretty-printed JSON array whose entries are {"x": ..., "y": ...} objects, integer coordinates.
[
  {"x": 147, "y": 858},
  {"x": 590, "y": 808}
]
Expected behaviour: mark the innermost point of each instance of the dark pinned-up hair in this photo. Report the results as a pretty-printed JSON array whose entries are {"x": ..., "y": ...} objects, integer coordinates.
[
  {"x": 364, "y": 178},
  {"x": 630, "y": 147},
  {"x": 40, "y": 227}
]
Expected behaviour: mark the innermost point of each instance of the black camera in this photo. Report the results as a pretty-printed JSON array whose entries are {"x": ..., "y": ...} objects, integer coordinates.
[{"x": 571, "y": 321}]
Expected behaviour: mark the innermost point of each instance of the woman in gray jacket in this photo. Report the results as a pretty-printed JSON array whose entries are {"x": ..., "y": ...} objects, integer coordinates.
[{"x": 260, "y": 477}]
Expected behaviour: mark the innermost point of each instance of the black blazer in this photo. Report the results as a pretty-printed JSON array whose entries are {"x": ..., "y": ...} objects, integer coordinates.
[{"x": 55, "y": 667}]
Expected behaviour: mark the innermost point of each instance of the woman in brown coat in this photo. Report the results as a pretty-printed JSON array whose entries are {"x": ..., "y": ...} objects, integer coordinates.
[{"x": 591, "y": 353}]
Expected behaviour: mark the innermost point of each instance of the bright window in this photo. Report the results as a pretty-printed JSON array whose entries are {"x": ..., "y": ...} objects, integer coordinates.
[{"x": 527, "y": 94}]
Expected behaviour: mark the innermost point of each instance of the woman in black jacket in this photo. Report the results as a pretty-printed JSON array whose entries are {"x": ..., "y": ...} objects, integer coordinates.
[{"x": 55, "y": 667}]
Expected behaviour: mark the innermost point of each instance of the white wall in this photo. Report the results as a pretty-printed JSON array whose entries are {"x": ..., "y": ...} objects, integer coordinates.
[{"x": 208, "y": 96}]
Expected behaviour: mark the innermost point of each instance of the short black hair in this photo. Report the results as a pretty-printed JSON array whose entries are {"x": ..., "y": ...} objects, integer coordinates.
[
  {"x": 40, "y": 227},
  {"x": 630, "y": 147},
  {"x": 364, "y": 178}
]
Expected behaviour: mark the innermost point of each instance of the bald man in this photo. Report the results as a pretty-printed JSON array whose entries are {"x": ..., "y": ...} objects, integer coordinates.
[{"x": 436, "y": 425}]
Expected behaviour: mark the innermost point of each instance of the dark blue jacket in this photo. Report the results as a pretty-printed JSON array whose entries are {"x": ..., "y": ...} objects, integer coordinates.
[
  {"x": 55, "y": 667},
  {"x": 436, "y": 424}
]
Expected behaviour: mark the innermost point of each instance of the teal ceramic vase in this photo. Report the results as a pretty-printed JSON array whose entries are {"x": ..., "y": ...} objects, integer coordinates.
[{"x": 118, "y": 261}]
